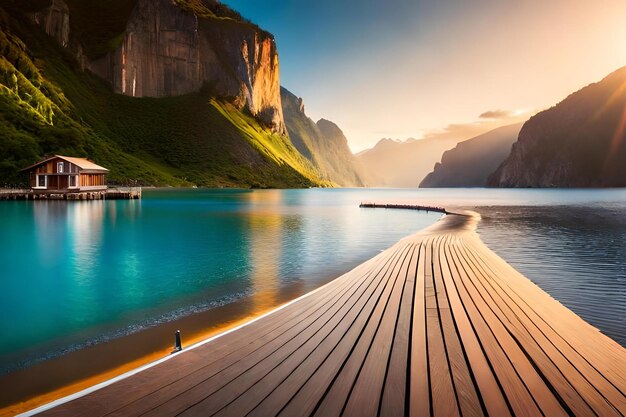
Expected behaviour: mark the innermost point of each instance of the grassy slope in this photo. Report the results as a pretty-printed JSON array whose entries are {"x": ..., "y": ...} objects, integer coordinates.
[{"x": 55, "y": 108}]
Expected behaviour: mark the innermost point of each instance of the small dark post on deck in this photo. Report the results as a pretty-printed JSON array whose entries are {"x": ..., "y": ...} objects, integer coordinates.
[{"x": 178, "y": 346}]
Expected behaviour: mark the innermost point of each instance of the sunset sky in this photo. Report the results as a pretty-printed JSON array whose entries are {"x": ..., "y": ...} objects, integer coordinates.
[{"x": 410, "y": 68}]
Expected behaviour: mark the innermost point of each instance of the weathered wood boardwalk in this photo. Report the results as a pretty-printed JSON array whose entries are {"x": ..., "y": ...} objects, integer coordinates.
[{"x": 436, "y": 325}]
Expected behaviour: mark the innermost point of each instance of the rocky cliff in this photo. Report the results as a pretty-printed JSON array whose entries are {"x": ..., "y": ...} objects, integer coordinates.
[
  {"x": 168, "y": 48},
  {"x": 211, "y": 137},
  {"x": 323, "y": 143},
  {"x": 55, "y": 21},
  {"x": 580, "y": 142},
  {"x": 470, "y": 162}
]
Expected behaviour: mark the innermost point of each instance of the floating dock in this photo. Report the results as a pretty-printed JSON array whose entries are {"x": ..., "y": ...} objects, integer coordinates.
[
  {"x": 112, "y": 193},
  {"x": 436, "y": 325}
]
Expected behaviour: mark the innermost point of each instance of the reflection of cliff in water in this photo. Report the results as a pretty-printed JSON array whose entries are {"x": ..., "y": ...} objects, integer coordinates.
[{"x": 577, "y": 254}]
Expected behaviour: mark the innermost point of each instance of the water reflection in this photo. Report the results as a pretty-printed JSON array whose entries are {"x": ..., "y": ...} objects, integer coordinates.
[{"x": 265, "y": 246}]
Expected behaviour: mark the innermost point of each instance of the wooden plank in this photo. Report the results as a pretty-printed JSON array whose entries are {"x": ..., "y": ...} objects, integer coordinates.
[
  {"x": 394, "y": 398},
  {"x": 464, "y": 387},
  {"x": 277, "y": 349},
  {"x": 366, "y": 394},
  {"x": 487, "y": 383},
  {"x": 419, "y": 383},
  {"x": 523, "y": 386},
  {"x": 444, "y": 402},
  {"x": 303, "y": 389},
  {"x": 337, "y": 394},
  {"x": 553, "y": 348},
  {"x": 330, "y": 333},
  {"x": 604, "y": 354},
  {"x": 549, "y": 372}
]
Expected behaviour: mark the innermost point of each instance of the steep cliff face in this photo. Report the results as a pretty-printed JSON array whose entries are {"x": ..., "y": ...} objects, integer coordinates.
[
  {"x": 470, "y": 162},
  {"x": 580, "y": 142},
  {"x": 55, "y": 21},
  {"x": 49, "y": 106},
  {"x": 323, "y": 143},
  {"x": 159, "y": 54},
  {"x": 167, "y": 49},
  {"x": 240, "y": 62}
]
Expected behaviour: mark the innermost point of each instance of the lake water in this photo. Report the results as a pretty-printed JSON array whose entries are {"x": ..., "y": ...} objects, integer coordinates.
[{"x": 79, "y": 273}]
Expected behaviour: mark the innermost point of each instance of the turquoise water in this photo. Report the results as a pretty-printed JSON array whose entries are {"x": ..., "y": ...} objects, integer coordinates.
[{"x": 78, "y": 273}]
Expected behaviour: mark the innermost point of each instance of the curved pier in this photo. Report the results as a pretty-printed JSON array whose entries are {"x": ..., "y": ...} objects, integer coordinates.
[{"x": 436, "y": 325}]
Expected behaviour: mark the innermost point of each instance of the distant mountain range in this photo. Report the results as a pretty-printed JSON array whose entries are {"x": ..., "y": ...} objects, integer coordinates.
[
  {"x": 394, "y": 163},
  {"x": 580, "y": 142},
  {"x": 470, "y": 162}
]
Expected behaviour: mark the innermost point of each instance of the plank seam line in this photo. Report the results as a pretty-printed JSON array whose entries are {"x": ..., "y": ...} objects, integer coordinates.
[
  {"x": 426, "y": 267},
  {"x": 407, "y": 397},
  {"x": 395, "y": 330},
  {"x": 371, "y": 342},
  {"x": 363, "y": 294},
  {"x": 452, "y": 264},
  {"x": 443, "y": 334},
  {"x": 333, "y": 349},
  {"x": 330, "y": 385},
  {"x": 336, "y": 301},
  {"x": 532, "y": 361},
  {"x": 523, "y": 382},
  {"x": 481, "y": 400},
  {"x": 583, "y": 357}
]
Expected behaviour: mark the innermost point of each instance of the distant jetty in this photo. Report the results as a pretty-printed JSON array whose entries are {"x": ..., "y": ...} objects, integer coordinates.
[
  {"x": 111, "y": 193},
  {"x": 404, "y": 206}
]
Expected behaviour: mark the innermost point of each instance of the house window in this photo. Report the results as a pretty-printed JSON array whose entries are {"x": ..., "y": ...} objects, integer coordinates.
[
  {"x": 41, "y": 180},
  {"x": 60, "y": 167},
  {"x": 72, "y": 180}
]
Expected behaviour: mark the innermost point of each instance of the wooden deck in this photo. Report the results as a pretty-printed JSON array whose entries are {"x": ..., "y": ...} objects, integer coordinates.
[{"x": 436, "y": 325}]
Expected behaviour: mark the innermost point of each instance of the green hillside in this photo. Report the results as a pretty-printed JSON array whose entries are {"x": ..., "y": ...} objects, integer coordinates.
[
  {"x": 49, "y": 106},
  {"x": 323, "y": 143}
]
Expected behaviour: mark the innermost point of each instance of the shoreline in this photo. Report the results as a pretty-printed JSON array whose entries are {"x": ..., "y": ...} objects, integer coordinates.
[
  {"x": 120, "y": 356},
  {"x": 87, "y": 385}
]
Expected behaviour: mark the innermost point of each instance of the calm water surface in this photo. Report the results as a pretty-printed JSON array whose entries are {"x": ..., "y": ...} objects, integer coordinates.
[{"x": 78, "y": 273}]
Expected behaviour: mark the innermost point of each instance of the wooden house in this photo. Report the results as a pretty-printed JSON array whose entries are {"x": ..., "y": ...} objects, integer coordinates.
[{"x": 66, "y": 174}]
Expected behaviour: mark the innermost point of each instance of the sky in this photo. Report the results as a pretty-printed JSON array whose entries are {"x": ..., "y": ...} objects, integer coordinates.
[{"x": 417, "y": 68}]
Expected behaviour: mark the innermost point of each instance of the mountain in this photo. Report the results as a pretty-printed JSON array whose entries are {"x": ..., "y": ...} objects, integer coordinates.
[
  {"x": 393, "y": 163},
  {"x": 162, "y": 92},
  {"x": 580, "y": 142},
  {"x": 323, "y": 143},
  {"x": 470, "y": 162}
]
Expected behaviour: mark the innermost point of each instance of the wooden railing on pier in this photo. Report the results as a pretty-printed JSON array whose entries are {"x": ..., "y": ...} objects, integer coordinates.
[{"x": 436, "y": 325}]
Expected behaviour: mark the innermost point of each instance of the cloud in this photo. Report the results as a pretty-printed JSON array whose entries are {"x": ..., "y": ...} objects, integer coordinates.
[
  {"x": 486, "y": 121},
  {"x": 497, "y": 114},
  {"x": 456, "y": 131}
]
